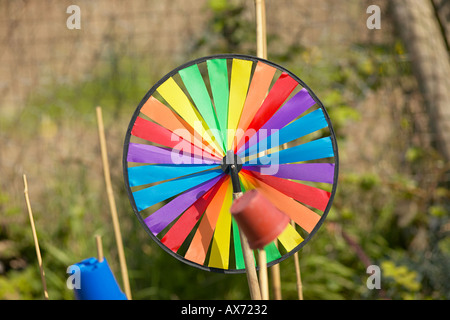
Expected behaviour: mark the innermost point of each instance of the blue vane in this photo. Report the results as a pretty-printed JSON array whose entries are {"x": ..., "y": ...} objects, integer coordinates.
[
  {"x": 148, "y": 197},
  {"x": 317, "y": 149},
  {"x": 310, "y": 123},
  {"x": 138, "y": 176}
]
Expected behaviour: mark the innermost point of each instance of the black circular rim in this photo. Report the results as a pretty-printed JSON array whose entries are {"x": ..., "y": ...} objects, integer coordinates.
[{"x": 195, "y": 62}]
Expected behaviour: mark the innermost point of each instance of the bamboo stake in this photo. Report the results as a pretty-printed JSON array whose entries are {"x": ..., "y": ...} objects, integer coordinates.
[
  {"x": 263, "y": 14},
  {"x": 35, "y": 238},
  {"x": 297, "y": 272},
  {"x": 98, "y": 241},
  {"x": 112, "y": 204},
  {"x": 263, "y": 278},
  {"x": 252, "y": 277},
  {"x": 261, "y": 52},
  {"x": 261, "y": 37},
  {"x": 276, "y": 279}
]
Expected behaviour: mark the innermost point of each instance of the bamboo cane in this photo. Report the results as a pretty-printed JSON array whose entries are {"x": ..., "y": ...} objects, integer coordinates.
[
  {"x": 261, "y": 37},
  {"x": 98, "y": 241},
  {"x": 112, "y": 205},
  {"x": 297, "y": 273},
  {"x": 263, "y": 278},
  {"x": 35, "y": 238},
  {"x": 252, "y": 277},
  {"x": 261, "y": 52},
  {"x": 276, "y": 279}
]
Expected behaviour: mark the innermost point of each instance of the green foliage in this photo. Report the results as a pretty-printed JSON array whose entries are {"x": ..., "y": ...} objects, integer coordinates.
[
  {"x": 113, "y": 86},
  {"x": 228, "y": 31},
  {"x": 23, "y": 284},
  {"x": 402, "y": 281}
]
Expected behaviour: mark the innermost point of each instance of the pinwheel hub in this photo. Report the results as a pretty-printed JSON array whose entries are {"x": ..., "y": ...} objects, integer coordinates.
[
  {"x": 231, "y": 159},
  {"x": 232, "y": 164}
]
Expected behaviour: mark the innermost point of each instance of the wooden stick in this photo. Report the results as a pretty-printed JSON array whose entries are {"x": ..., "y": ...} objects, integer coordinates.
[
  {"x": 252, "y": 278},
  {"x": 261, "y": 52},
  {"x": 261, "y": 37},
  {"x": 297, "y": 272},
  {"x": 276, "y": 279},
  {"x": 98, "y": 241},
  {"x": 112, "y": 204},
  {"x": 35, "y": 238},
  {"x": 263, "y": 278},
  {"x": 264, "y": 32}
]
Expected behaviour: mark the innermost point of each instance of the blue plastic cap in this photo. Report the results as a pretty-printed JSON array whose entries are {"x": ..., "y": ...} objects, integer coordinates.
[{"x": 97, "y": 281}]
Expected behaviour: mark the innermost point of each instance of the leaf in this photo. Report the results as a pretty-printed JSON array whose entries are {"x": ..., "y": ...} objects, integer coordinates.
[{"x": 58, "y": 254}]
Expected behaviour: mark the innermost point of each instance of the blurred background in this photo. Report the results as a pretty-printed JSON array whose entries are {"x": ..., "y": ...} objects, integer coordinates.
[{"x": 386, "y": 90}]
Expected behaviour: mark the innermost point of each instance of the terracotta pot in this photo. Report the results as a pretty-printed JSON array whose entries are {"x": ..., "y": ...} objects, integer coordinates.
[{"x": 258, "y": 218}]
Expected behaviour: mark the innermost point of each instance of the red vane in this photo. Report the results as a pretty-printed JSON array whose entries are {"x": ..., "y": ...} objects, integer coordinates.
[
  {"x": 175, "y": 237},
  {"x": 280, "y": 91},
  {"x": 314, "y": 197},
  {"x": 153, "y": 132}
]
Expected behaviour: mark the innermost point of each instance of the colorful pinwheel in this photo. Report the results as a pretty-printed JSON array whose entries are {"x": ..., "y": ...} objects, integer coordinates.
[{"x": 178, "y": 139}]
